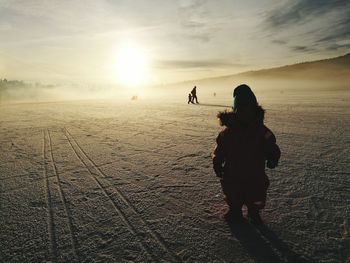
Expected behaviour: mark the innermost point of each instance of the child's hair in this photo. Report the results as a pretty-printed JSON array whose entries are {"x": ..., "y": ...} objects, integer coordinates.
[{"x": 243, "y": 96}]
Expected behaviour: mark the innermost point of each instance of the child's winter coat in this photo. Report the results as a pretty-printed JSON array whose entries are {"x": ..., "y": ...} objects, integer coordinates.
[{"x": 239, "y": 159}]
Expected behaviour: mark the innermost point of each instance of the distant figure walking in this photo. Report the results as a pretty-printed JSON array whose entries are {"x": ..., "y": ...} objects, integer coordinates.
[
  {"x": 243, "y": 148},
  {"x": 189, "y": 98},
  {"x": 194, "y": 94}
]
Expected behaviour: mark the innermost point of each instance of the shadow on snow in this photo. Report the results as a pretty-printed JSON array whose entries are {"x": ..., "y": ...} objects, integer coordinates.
[
  {"x": 212, "y": 105},
  {"x": 263, "y": 244}
]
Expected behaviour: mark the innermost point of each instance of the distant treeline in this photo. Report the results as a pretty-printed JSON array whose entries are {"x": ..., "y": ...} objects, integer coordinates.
[
  {"x": 4, "y": 84},
  {"x": 13, "y": 89}
]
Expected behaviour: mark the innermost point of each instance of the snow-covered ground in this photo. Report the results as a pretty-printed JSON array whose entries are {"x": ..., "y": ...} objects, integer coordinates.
[{"x": 132, "y": 181}]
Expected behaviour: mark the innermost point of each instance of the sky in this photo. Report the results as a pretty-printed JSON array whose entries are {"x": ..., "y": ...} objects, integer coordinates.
[{"x": 79, "y": 40}]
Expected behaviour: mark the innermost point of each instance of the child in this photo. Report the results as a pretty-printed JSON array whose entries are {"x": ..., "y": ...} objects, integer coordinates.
[
  {"x": 189, "y": 98},
  {"x": 239, "y": 158}
]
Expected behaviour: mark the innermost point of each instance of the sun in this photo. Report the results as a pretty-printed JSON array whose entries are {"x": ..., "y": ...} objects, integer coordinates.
[{"x": 131, "y": 66}]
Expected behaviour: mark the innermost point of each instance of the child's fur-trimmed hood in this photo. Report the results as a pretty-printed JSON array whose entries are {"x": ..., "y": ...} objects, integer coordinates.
[{"x": 230, "y": 118}]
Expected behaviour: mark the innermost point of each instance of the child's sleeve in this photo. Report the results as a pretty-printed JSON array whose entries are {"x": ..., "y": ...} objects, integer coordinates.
[
  {"x": 218, "y": 156},
  {"x": 272, "y": 151}
]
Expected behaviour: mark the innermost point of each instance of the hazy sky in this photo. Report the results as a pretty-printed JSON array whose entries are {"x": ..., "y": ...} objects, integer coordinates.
[{"x": 79, "y": 40}]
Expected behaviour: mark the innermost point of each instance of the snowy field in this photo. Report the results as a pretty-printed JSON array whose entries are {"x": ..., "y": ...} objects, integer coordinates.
[{"x": 132, "y": 181}]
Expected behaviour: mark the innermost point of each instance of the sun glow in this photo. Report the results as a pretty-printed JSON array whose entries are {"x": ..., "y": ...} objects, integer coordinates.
[{"x": 131, "y": 66}]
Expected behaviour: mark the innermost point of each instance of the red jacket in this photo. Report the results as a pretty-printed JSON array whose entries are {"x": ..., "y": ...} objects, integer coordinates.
[{"x": 242, "y": 150}]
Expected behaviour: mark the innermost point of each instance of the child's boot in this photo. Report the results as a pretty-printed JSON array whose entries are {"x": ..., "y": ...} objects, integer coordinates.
[{"x": 234, "y": 216}]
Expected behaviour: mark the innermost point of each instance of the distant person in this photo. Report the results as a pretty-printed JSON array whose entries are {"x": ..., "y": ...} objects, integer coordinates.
[
  {"x": 189, "y": 98},
  {"x": 242, "y": 150},
  {"x": 194, "y": 94}
]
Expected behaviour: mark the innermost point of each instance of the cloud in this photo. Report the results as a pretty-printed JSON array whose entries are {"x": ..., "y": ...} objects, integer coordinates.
[
  {"x": 311, "y": 26},
  {"x": 191, "y": 6},
  {"x": 301, "y": 10},
  {"x": 279, "y": 41},
  {"x": 194, "y": 20},
  {"x": 306, "y": 49},
  {"x": 340, "y": 30},
  {"x": 203, "y": 37},
  {"x": 195, "y": 64},
  {"x": 337, "y": 47},
  {"x": 193, "y": 24}
]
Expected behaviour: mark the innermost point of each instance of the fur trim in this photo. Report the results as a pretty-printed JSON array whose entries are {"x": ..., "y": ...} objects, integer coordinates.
[{"x": 229, "y": 118}]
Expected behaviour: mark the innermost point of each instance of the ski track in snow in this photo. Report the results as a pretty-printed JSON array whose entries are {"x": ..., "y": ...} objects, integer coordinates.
[{"x": 132, "y": 182}]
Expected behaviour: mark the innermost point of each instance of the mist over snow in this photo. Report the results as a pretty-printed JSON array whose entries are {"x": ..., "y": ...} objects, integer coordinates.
[{"x": 121, "y": 179}]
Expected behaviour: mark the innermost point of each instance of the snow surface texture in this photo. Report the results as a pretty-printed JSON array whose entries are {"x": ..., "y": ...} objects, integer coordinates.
[{"x": 132, "y": 181}]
